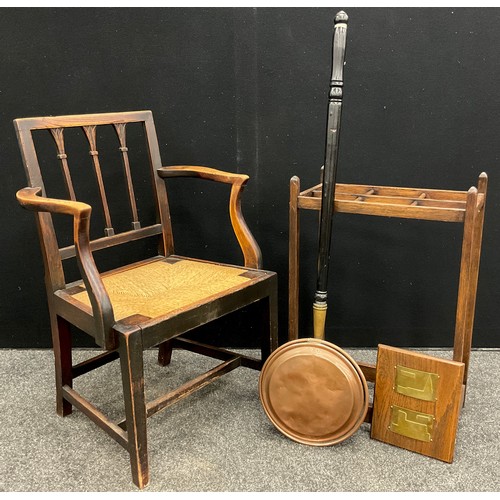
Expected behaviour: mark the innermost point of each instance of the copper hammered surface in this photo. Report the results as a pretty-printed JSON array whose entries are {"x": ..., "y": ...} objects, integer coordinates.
[{"x": 313, "y": 392}]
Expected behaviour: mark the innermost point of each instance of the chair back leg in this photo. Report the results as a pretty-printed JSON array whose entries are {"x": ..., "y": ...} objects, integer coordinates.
[{"x": 165, "y": 353}]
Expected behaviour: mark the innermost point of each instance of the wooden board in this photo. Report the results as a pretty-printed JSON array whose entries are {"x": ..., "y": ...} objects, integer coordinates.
[{"x": 417, "y": 402}]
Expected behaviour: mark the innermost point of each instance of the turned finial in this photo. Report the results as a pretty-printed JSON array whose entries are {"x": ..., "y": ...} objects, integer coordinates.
[{"x": 341, "y": 17}]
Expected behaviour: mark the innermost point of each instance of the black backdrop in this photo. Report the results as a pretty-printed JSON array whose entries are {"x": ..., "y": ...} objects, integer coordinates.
[{"x": 246, "y": 90}]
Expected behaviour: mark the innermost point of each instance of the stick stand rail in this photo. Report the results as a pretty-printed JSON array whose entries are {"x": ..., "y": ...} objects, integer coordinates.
[{"x": 466, "y": 207}]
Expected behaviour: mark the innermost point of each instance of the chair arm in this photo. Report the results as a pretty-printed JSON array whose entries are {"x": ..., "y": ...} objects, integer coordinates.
[
  {"x": 29, "y": 199},
  {"x": 208, "y": 173},
  {"x": 248, "y": 245},
  {"x": 101, "y": 305}
]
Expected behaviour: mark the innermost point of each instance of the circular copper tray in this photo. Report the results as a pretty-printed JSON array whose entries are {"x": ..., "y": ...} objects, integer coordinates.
[{"x": 313, "y": 392}]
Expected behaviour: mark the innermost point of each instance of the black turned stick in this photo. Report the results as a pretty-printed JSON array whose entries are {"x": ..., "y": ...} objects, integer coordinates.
[{"x": 330, "y": 171}]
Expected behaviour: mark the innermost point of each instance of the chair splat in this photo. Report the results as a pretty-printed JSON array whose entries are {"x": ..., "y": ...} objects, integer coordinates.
[
  {"x": 58, "y": 136},
  {"x": 90, "y": 132},
  {"x": 121, "y": 133}
]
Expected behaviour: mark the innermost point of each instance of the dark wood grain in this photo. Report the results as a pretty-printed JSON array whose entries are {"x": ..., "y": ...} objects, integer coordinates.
[
  {"x": 193, "y": 385},
  {"x": 131, "y": 360},
  {"x": 127, "y": 337},
  {"x": 293, "y": 259},
  {"x": 103, "y": 311},
  {"x": 58, "y": 135},
  {"x": 95, "y": 415},
  {"x": 90, "y": 133},
  {"x": 251, "y": 250},
  {"x": 95, "y": 362},
  {"x": 466, "y": 207},
  {"x": 120, "y": 129},
  {"x": 61, "y": 339},
  {"x": 469, "y": 273}
]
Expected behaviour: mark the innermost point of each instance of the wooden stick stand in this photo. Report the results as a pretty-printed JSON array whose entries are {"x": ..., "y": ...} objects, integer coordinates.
[{"x": 466, "y": 207}]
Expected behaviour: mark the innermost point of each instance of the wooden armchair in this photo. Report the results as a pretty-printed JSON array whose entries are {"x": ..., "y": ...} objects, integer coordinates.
[{"x": 148, "y": 303}]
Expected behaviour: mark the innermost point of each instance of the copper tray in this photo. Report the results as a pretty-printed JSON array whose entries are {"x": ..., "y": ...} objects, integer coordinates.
[{"x": 313, "y": 392}]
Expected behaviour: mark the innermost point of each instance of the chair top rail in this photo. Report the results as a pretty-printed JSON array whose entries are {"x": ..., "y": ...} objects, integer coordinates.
[{"x": 48, "y": 122}]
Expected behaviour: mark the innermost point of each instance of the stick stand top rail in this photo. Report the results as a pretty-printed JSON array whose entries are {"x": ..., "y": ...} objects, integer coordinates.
[{"x": 387, "y": 201}]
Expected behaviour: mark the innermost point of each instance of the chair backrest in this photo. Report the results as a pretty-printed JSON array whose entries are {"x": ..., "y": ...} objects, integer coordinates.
[{"x": 56, "y": 125}]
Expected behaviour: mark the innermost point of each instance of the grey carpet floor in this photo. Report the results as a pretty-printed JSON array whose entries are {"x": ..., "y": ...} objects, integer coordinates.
[{"x": 220, "y": 439}]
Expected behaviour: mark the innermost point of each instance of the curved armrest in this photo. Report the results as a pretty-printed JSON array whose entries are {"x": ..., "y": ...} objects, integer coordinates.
[
  {"x": 101, "y": 305},
  {"x": 208, "y": 173},
  {"x": 248, "y": 245}
]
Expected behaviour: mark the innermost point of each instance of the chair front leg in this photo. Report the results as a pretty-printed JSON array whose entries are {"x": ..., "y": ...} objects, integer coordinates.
[
  {"x": 131, "y": 360},
  {"x": 61, "y": 342},
  {"x": 269, "y": 339}
]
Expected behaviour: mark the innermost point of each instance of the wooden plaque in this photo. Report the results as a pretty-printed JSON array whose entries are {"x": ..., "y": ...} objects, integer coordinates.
[{"x": 417, "y": 402}]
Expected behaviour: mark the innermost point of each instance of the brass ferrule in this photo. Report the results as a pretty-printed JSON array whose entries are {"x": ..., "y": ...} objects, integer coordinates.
[{"x": 319, "y": 319}]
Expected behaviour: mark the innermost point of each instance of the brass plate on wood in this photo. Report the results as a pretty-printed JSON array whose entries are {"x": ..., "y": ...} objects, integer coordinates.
[
  {"x": 417, "y": 412},
  {"x": 313, "y": 392},
  {"x": 416, "y": 383},
  {"x": 412, "y": 424}
]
